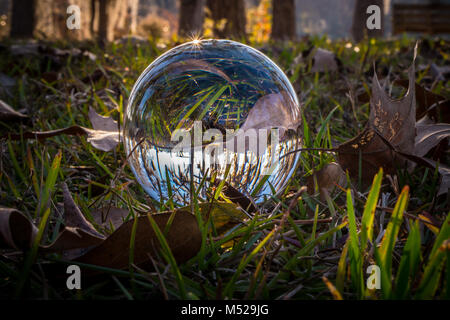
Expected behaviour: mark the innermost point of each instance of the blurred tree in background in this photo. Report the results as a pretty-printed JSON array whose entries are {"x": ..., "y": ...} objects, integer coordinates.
[
  {"x": 283, "y": 21},
  {"x": 191, "y": 18},
  {"x": 255, "y": 20},
  {"x": 229, "y": 18},
  {"x": 23, "y": 18}
]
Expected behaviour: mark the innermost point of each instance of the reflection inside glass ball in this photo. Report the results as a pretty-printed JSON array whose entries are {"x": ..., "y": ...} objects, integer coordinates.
[{"x": 211, "y": 113}]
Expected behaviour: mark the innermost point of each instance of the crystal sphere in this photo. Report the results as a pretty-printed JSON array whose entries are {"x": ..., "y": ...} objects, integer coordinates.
[{"x": 208, "y": 114}]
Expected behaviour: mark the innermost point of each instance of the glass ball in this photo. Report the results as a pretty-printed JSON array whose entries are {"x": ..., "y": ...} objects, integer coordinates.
[{"x": 210, "y": 114}]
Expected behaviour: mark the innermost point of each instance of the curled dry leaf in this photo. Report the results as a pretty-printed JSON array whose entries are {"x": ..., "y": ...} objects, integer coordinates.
[
  {"x": 429, "y": 103},
  {"x": 16, "y": 230},
  {"x": 324, "y": 60},
  {"x": 273, "y": 110},
  {"x": 103, "y": 139},
  {"x": 183, "y": 238},
  {"x": 109, "y": 218},
  {"x": 235, "y": 196},
  {"x": 105, "y": 135},
  {"x": 73, "y": 216},
  {"x": 321, "y": 60},
  {"x": 7, "y": 113},
  {"x": 443, "y": 170},
  {"x": 429, "y": 136},
  {"x": 328, "y": 178},
  {"x": 79, "y": 241},
  {"x": 394, "y": 120}
]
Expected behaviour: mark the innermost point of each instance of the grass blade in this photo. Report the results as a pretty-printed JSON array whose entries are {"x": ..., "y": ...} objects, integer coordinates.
[
  {"x": 369, "y": 210},
  {"x": 384, "y": 254}
]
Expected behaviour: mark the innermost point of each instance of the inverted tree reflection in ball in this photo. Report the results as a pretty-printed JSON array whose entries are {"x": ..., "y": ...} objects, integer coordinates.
[{"x": 219, "y": 105}]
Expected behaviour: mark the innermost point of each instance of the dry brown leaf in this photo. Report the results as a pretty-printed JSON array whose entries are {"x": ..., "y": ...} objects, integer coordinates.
[
  {"x": 394, "y": 120},
  {"x": 104, "y": 140},
  {"x": 328, "y": 178},
  {"x": 235, "y": 196},
  {"x": 72, "y": 238},
  {"x": 443, "y": 170},
  {"x": 183, "y": 238},
  {"x": 106, "y": 131},
  {"x": 109, "y": 216},
  {"x": 323, "y": 61},
  {"x": 429, "y": 136},
  {"x": 7, "y": 113},
  {"x": 80, "y": 241},
  {"x": 73, "y": 217},
  {"x": 273, "y": 110},
  {"x": 16, "y": 230},
  {"x": 429, "y": 103}
]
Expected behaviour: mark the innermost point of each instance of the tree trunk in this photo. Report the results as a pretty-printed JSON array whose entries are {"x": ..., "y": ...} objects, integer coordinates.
[
  {"x": 23, "y": 19},
  {"x": 191, "y": 18},
  {"x": 360, "y": 16},
  {"x": 233, "y": 12},
  {"x": 104, "y": 33},
  {"x": 283, "y": 20}
]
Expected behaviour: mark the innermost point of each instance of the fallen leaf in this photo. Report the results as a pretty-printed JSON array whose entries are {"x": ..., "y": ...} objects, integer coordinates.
[
  {"x": 109, "y": 216},
  {"x": 275, "y": 110},
  {"x": 73, "y": 217},
  {"x": 328, "y": 178},
  {"x": 429, "y": 136},
  {"x": 100, "y": 139},
  {"x": 102, "y": 123},
  {"x": 81, "y": 242},
  {"x": 72, "y": 238},
  {"x": 7, "y": 113},
  {"x": 183, "y": 238},
  {"x": 106, "y": 131},
  {"x": 394, "y": 120},
  {"x": 321, "y": 60},
  {"x": 235, "y": 196},
  {"x": 443, "y": 170},
  {"x": 16, "y": 230},
  {"x": 224, "y": 215},
  {"x": 428, "y": 103}
]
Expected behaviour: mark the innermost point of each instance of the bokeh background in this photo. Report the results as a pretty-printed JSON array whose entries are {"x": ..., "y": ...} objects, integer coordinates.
[{"x": 254, "y": 20}]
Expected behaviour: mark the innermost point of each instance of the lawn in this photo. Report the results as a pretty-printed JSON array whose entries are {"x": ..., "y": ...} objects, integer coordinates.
[{"x": 307, "y": 243}]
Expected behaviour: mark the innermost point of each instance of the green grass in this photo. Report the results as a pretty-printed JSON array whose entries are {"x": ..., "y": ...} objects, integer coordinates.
[{"x": 258, "y": 258}]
